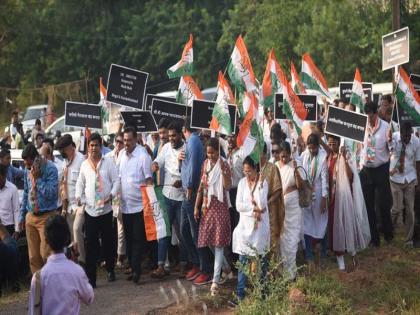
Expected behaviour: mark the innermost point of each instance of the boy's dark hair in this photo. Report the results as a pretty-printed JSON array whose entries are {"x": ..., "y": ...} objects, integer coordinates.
[
  {"x": 336, "y": 138},
  {"x": 38, "y": 121},
  {"x": 387, "y": 97},
  {"x": 49, "y": 141},
  {"x": 313, "y": 139},
  {"x": 213, "y": 143},
  {"x": 371, "y": 108},
  {"x": 4, "y": 152},
  {"x": 57, "y": 233},
  {"x": 175, "y": 125},
  {"x": 96, "y": 137},
  {"x": 406, "y": 127},
  {"x": 131, "y": 130},
  {"x": 163, "y": 123},
  {"x": 30, "y": 152}
]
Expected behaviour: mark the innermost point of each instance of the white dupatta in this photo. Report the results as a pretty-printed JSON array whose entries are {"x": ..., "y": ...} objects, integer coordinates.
[{"x": 214, "y": 181}]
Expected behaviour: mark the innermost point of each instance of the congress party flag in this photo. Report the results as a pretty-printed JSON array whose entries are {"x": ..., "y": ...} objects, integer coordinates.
[
  {"x": 357, "y": 97},
  {"x": 407, "y": 96},
  {"x": 271, "y": 84},
  {"x": 297, "y": 85},
  {"x": 312, "y": 78},
  {"x": 188, "y": 91},
  {"x": 221, "y": 118},
  {"x": 185, "y": 65}
]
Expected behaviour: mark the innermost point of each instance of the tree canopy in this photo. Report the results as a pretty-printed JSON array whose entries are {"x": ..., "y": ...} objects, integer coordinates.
[{"x": 47, "y": 42}]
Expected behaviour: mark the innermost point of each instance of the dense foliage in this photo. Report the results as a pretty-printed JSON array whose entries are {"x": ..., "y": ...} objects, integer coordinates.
[{"x": 44, "y": 42}]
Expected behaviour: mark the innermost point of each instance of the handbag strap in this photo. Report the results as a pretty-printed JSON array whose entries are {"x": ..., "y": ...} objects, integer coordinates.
[{"x": 304, "y": 171}]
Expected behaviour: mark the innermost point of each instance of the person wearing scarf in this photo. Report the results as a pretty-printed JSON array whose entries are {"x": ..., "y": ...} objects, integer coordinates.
[
  {"x": 374, "y": 175},
  {"x": 251, "y": 236},
  {"x": 71, "y": 211},
  {"x": 291, "y": 183},
  {"x": 315, "y": 217},
  {"x": 213, "y": 200},
  {"x": 39, "y": 202},
  {"x": 99, "y": 183},
  {"x": 348, "y": 226},
  {"x": 271, "y": 174}
]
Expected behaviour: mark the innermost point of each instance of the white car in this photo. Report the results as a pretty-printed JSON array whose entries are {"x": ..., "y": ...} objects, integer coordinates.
[
  {"x": 58, "y": 125},
  {"x": 33, "y": 113}
]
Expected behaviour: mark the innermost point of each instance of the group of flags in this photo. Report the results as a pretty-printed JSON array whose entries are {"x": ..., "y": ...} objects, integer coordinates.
[
  {"x": 250, "y": 95},
  {"x": 250, "y": 98}
]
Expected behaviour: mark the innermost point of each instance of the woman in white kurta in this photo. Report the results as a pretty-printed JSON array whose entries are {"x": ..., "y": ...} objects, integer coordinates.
[
  {"x": 251, "y": 236},
  {"x": 291, "y": 182},
  {"x": 315, "y": 217}
]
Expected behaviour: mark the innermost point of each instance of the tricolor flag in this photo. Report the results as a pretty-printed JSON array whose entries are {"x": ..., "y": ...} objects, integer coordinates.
[
  {"x": 240, "y": 68},
  {"x": 188, "y": 91},
  {"x": 312, "y": 78},
  {"x": 221, "y": 118},
  {"x": 156, "y": 220},
  {"x": 250, "y": 136},
  {"x": 293, "y": 107},
  {"x": 297, "y": 85},
  {"x": 271, "y": 84},
  {"x": 106, "y": 106},
  {"x": 185, "y": 65},
  {"x": 357, "y": 97},
  {"x": 407, "y": 96}
]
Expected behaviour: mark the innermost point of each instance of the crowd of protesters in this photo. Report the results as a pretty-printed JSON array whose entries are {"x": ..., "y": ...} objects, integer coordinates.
[{"x": 314, "y": 191}]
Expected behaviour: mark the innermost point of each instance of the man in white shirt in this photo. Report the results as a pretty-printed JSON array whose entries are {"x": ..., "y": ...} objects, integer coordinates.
[
  {"x": 404, "y": 170},
  {"x": 98, "y": 181},
  {"x": 9, "y": 204},
  {"x": 167, "y": 159},
  {"x": 118, "y": 224},
  {"x": 134, "y": 170},
  {"x": 71, "y": 211},
  {"x": 374, "y": 175}
]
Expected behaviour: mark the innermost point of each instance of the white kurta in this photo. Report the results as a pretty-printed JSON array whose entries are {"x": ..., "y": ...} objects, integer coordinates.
[
  {"x": 315, "y": 222},
  {"x": 290, "y": 238},
  {"x": 248, "y": 240}
]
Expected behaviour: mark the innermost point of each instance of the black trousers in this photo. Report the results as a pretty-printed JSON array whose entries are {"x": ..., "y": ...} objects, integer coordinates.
[
  {"x": 375, "y": 183},
  {"x": 10, "y": 229},
  {"x": 95, "y": 226},
  {"x": 135, "y": 237}
]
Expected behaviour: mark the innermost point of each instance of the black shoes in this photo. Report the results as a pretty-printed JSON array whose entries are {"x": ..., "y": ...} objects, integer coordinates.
[
  {"x": 111, "y": 276},
  {"x": 136, "y": 278}
]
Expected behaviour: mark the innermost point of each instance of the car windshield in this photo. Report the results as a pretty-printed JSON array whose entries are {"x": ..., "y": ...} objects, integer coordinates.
[{"x": 33, "y": 113}]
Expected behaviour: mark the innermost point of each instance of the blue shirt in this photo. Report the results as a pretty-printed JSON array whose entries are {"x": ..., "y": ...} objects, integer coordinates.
[
  {"x": 191, "y": 166},
  {"x": 46, "y": 190},
  {"x": 14, "y": 173}
]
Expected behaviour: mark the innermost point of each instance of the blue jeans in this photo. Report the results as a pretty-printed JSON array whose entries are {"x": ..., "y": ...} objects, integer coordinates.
[
  {"x": 173, "y": 208},
  {"x": 242, "y": 278},
  {"x": 309, "y": 254},
  {"x": 189, "y": 231}
]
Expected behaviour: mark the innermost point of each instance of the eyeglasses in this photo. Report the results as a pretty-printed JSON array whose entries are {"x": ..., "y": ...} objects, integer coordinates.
[{"x": 119, "y": 141}]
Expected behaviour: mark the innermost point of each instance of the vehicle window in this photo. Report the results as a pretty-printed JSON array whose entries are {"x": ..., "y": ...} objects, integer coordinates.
[
  {"x": 33, "y": 113},
  {"x": 58, "y": 126}
]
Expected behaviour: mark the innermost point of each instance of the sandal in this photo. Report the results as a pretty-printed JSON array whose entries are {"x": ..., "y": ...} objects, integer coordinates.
[
  {"x": 214, "y": 289},
  {"x": 226, "y": 276},
  {"x": 158, "y": 273}
]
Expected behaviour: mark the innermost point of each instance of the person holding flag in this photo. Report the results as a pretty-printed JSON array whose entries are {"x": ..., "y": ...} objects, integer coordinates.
[{"x": 134, "y": 171}]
